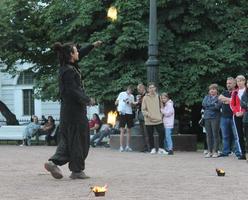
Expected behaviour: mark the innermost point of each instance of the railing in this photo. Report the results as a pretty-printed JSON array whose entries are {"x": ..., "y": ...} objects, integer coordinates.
[{"x": 25, "y": 121}]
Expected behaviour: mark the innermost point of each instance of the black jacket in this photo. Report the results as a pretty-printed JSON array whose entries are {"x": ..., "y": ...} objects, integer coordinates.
[
  {"x": 244, "y": 105},
  {"x": 72, "y": 95}
]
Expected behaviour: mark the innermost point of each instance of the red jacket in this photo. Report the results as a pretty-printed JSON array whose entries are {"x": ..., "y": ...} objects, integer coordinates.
[{"x": 235, "y": 102}]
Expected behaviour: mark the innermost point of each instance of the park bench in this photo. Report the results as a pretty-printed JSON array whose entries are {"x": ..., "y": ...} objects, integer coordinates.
[{"x": 15, "y": 133}]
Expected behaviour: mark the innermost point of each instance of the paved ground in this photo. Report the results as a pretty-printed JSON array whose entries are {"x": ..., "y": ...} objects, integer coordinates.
[{"x": 183, "y": 176}]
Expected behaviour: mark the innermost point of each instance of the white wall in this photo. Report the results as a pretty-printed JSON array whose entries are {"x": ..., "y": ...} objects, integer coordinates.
[
  {"x": 51, "y": 108},
  {"x": 12, "y": 95}
]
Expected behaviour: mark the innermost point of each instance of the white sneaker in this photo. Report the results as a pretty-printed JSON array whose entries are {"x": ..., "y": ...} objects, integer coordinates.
[
  {"x": 208, "y": 155},
  {"x": 162, "y": 151},
  {"x": 153, "y": 151},
  {"x": 215, "y": 155},
  {"x": 205, "y": 152},
  {"x": 121, "y": 149},
  {"x": 128, "y": 149}
]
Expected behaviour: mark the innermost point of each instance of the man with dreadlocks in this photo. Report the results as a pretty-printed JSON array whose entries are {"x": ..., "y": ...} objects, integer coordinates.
[{"x": 74, "y": 129}]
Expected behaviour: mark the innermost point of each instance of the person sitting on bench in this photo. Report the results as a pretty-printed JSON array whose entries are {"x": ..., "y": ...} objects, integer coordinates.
[
  {"x": 46, "y": 129},
  {"x": 30, "y": 130}
]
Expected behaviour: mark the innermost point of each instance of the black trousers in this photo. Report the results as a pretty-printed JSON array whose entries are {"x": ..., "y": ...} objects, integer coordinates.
[
  {"x": 161, "y": 134},
  {"x": 246, "y": 136},
  {"x": 144, "y": 134},
  {"x": 73, "y": 145},
  {"x": 239, "y": 126}
]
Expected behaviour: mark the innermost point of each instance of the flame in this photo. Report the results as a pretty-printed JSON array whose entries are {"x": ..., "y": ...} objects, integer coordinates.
[
  {"x": 99, "y": 189},
  {"x": 112, "y": 13},
  {"x": 112, "y": 117},
  {"x": 220, "y": 170}
]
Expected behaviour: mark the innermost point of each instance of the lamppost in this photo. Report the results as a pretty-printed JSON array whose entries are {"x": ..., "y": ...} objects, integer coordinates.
[{"x": 152, "y": 62}]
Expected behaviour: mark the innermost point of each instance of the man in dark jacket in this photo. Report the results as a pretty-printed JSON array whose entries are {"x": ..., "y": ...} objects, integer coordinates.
[
  {"x": 226, "y": 121},
  {"x": 244, "y": 105},
  {"x": 74, "y": 142}
]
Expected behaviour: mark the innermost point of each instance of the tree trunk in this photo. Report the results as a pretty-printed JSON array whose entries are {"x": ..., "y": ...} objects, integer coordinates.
[{"x": 9, "y": 116}]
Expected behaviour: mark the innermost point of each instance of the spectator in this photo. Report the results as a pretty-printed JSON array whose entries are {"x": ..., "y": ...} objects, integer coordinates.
[
  {"x": 95, "y": 123},
  {"x": 104, "y": 131},
  {"x": 30, "y": 130},
  {"x": 202, "y": 124},
  {"x": 153, "y": 118},
  {"x": 125, "y": 100},
  {"x": 244, "y": 105},
  {"x": 168, "y": 112},
  {"x": 142, "y": 92},
  {"x": 211, "y": 106},
  {"x": 46, "y": 129},
  {"x": 226, "y": 121},
  {"x": 43, "y": 120},
  {"x": 238, "y": 113}
]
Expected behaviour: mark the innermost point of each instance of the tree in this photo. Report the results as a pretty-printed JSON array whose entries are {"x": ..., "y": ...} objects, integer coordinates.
[
  {"x": 200, "y": 42},
  {"x": 9, "y": 116}
]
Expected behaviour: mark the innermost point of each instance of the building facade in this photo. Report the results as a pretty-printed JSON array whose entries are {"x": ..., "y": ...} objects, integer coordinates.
[{"x": 18, "y": 94}]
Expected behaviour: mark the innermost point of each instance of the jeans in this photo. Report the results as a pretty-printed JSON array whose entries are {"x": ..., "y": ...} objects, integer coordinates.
[
  {"x": 212, "y": 128},
  {"x": 168, "y": 140},
  {"x": 228, "y": 130},
  {"x": 100, "y": 135}
]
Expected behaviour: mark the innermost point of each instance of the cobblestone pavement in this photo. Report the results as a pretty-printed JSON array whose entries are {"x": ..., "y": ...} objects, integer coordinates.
[{"x": 183, "y": 176}]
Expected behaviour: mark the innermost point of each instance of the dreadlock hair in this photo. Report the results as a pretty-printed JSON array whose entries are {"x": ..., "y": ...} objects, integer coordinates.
[{"x": 63, "y": 52}]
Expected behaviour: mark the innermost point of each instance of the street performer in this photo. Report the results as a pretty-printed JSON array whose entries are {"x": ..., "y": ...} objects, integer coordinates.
[{"x": 74, "y": 141}]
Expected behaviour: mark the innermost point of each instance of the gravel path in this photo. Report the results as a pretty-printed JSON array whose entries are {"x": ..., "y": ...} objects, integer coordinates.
[{"x": 183, "y": 176}]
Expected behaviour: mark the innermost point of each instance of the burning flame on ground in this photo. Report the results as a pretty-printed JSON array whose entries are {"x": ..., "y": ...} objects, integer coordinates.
[
  {"x": 112, "y": 117},
  {"x": 99, "y": 189}
]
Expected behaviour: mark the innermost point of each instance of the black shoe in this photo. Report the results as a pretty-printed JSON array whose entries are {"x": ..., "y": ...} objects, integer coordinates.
[
  {"x": 223, "y": 155},
  {"x": 93, "y": 144},
  {"x": 242, "y": 157},
  {"x": 144, "y": 151},
  {"x": 170, "y": 152}
]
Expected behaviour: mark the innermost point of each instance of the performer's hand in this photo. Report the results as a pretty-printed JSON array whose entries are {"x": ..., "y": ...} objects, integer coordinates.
[{"x": 97, "y": 43}]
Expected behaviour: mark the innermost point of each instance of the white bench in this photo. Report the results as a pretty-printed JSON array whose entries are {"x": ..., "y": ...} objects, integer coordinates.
[{"x": 15, "y": 133}]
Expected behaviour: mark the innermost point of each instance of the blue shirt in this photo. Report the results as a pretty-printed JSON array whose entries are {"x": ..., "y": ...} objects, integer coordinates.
[{"x": 211, "y": 106}]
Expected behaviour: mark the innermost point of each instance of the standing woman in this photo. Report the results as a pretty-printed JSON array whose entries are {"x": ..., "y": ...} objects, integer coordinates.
[
  {"x": 211, "y": 106},
  {"x": 238, "y": 113},
  {"x": 73, "y": 146},
  {"x": 168, "y": 112}
]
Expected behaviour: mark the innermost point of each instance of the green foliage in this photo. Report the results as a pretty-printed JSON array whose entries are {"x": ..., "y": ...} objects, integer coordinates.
[{"x": 200, "y": 42}]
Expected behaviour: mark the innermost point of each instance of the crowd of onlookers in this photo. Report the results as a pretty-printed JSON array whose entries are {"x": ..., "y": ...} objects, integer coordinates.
[
  {"x": 36, "y": 128},
  {"x": 224, "y": 116},
  {"x": 226, "y": 113},
  {"x": 153, "y": 111}
]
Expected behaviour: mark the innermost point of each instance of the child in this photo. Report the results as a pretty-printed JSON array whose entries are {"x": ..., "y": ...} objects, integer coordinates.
[{"x": 168, "y": 112}]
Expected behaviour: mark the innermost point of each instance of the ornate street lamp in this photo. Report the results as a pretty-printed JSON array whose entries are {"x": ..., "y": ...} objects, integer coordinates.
[{"x": 152, "y": 62}]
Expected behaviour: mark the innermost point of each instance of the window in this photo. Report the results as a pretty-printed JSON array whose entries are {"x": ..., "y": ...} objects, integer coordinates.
[
  {"x": 26, "y": 78},
  {"x": 28, "y": 102}
]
